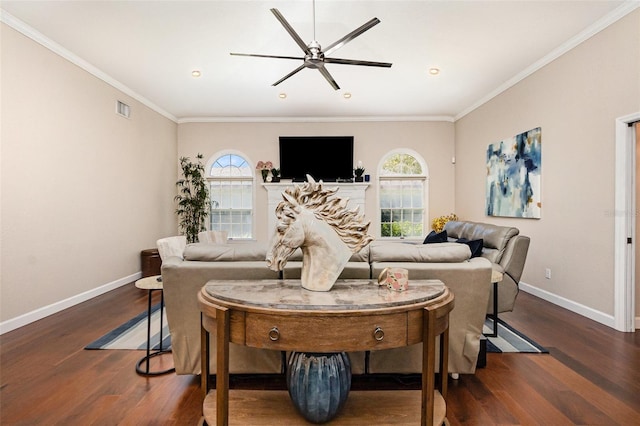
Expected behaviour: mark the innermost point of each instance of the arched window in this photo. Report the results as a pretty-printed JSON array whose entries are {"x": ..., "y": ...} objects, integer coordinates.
[
  {"x": 402, "y": 181},
  {"x": 231, "y": 189}
]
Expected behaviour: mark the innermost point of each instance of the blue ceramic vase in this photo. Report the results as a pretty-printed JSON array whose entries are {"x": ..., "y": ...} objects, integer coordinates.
[{"x": 319, "y": 383}]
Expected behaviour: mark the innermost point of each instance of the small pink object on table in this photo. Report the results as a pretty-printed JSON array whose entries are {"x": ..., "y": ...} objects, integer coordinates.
[{"x": 396, "y": 279}]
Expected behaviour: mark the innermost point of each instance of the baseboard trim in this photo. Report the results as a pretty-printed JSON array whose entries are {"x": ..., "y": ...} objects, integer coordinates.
[
  {"x": 570, "y": 305},
  {"x": 56, "y": 307}
]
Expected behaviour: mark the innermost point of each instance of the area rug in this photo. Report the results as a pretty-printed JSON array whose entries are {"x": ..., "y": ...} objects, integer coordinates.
[
  {"x": 133, "y": 333},
  {"x": 509, "y": 339}
]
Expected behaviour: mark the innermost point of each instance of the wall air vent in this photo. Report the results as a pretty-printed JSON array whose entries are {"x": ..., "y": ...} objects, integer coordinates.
[{"x": 123, "y": 109}]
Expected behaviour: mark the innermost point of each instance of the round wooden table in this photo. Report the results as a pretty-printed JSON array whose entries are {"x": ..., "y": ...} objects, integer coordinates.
[{"x": 355, "y": 315}]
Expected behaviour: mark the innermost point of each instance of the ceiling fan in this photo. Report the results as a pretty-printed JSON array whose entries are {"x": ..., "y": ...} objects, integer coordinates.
[{"x": 314, "y": 57}]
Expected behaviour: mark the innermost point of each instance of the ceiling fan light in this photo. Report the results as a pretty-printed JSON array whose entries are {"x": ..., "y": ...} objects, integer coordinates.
[
  {"x": 347, "y": 95},
  {"x": 282, "y": 95}
]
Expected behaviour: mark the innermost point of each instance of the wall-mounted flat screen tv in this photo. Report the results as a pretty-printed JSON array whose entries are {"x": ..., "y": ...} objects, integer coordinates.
[{"x": 326, "y": 158}]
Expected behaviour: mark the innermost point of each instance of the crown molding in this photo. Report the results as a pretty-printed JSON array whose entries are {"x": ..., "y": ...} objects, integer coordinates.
[
  {"x": 40, "y": 38},
  {"x": 311, "y": 119},
  {"x": 609, "y": 19}
]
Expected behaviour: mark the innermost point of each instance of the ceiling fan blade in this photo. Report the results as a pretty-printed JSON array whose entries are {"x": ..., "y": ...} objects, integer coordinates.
[
  {"x": 255, "y": 55},
  {"x": 300, "y": 68},
  {"x": 291, "y": 31},
  {"x": 327, "y": 76},
  {"x": 357, "y": 62},
  {"x": 353, "y": 34}
]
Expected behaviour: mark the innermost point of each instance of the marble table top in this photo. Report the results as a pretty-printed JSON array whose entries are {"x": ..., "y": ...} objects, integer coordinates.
[{"x": 344, "y": 295}]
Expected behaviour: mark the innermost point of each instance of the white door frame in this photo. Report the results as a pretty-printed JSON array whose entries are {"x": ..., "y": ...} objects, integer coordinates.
[{"x": 625, "y": 224}]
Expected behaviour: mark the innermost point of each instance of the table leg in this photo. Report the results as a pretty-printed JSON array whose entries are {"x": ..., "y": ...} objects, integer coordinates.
[
  {"x": 204, "y": 358},
  {"x": 159, "y": 352},
  {"x": 139, "y": 369},
  {"x": 428, "y": 366},
  {"x": 444, "y": 362},
  {"x": 222, "y": 371},
  {"x": 149, "y": 329}
]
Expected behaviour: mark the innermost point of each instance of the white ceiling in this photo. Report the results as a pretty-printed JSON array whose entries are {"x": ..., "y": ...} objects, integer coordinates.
[{"x": 149, "y": 48}]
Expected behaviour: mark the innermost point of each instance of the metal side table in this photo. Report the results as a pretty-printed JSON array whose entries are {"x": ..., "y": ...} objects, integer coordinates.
[{"x": 153, "y": 283}]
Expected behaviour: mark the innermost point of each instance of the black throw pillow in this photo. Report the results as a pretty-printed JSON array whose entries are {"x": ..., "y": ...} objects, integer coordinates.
[
  {"x": 436, "y": 237},
  {"x": 474, "y": 245}
]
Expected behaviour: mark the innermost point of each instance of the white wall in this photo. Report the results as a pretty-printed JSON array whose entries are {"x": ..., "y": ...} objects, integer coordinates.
[
  {"x": 83, "y": 189},
  {"x": 575, "y": 99},
  {"x": 372, "y": 140}
]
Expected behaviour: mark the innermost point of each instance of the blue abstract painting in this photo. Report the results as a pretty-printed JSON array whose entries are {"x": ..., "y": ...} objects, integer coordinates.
[{"x": 513, "y": 176}]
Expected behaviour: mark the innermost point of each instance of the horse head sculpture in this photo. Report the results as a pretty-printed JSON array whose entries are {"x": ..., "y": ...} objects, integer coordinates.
[{"x": 323, "y": 227}]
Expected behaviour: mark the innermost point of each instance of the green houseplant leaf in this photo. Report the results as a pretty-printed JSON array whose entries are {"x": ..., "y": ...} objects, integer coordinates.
[{"x": 192, "y": 198}]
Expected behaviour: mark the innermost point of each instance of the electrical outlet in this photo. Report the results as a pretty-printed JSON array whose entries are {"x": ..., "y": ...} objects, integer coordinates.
[{"x": 547, "y": 273}]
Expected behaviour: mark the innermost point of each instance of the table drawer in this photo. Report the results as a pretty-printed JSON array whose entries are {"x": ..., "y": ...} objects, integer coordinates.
[{"x": 326, "y": 333}]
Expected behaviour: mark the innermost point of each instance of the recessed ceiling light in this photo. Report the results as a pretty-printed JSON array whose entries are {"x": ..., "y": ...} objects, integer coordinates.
[
  {"x": 434, "y": 71},
  {"x": 347, "y": 95},
  {"x": 196, "y": 73},
  {"x": 282, "y": 95}
]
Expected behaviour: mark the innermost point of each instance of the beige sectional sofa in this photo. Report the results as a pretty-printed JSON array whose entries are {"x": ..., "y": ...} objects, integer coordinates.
[
  {"x": 469, "y": 279},
  {"x": 504, "y": 247}
]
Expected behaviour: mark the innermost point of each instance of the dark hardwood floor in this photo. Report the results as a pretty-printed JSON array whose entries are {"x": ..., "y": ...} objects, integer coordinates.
[{"x": 590, "y": 377}]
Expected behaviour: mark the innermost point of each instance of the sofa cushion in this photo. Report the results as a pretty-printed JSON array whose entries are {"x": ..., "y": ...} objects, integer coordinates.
[
  {"x": 361, "y": 256},
  {"x": 247, "y": 251},
  {"x": 494, "y": 237},
  {"x": 457, "y": 229},
  {"x": 436, "y": 237},
  {"x": 437, "y": 252},
  {"x": 226, "y": 252}
]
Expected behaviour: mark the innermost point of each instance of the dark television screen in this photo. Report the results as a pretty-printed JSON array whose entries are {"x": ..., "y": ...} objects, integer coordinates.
[{"x": 327, "y": 158}]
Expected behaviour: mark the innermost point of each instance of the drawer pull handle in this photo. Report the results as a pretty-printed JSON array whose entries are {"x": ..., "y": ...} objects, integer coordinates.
[
  {"x": 274, "y": 334},
  {"x": 378, "y": 334}
]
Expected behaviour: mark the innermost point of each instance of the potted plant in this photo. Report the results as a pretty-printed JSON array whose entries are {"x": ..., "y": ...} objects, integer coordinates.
[
  {"x": 275, "y": 175},
  {"x": 359, "y": 173},
  {"x": 264, "y": 167},
  {"x": 192, "y": 198}
]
